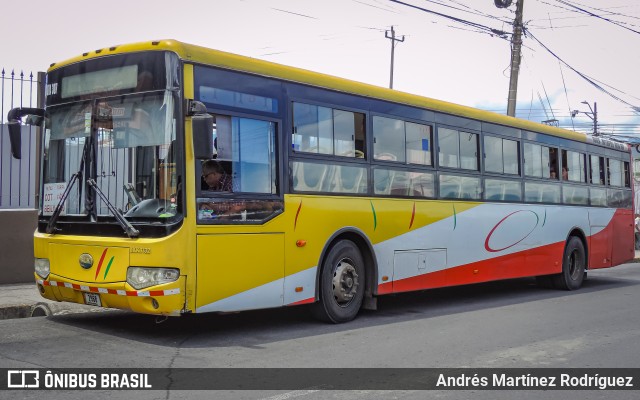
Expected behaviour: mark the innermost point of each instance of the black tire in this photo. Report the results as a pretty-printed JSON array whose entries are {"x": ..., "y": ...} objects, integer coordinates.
[
  {"x": 574, "y": 264},
  {"x": 342, "y": 284}
]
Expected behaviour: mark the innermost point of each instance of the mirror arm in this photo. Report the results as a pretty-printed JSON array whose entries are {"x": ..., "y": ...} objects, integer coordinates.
[
  {"x": 195, "y": 107},
  {"x": 14, "y": 117},
  {"x": 16, "y": 114}
]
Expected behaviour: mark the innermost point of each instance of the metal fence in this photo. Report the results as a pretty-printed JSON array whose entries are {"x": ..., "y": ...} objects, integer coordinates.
[{"x": 19, "y": 178}]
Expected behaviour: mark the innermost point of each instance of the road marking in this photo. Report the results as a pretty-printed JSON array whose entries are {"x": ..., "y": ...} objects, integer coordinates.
[{"x": 290, "y": 395}]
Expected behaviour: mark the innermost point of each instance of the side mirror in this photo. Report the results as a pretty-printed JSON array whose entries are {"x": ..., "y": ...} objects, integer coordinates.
[
  {"x": 202, "y": 129},
  {"x": 202, "y": 126},
  {"x": 35, "y": 116},
  {"x": 15, "y": 138}
]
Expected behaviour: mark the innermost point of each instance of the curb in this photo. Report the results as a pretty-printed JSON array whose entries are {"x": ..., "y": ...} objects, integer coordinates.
[
  {"x": 36, "y": 310},
  {"x": 15, "y": 311},
  {"x": 44, "y": 309}
]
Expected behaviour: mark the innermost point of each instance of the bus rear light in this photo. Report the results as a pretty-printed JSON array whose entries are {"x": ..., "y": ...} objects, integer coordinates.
[
  {"x": 42, "y": 267},
  {"x": 143, "y": 277}
]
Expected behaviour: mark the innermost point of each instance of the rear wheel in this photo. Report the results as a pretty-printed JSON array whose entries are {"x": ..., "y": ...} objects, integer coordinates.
[
  {"x": 342, "y": 284},
  {"x": 573, "y": 266}
]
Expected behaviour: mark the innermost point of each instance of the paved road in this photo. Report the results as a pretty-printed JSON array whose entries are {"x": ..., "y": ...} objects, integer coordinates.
[{"x": 503, "y": 324}]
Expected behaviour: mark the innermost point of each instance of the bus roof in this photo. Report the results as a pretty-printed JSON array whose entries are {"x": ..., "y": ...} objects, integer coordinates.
[{"x": 199, "y": 54}]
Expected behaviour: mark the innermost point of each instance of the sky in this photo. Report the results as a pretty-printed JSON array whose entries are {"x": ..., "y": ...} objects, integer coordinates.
[{"x": 439, "y": 58}]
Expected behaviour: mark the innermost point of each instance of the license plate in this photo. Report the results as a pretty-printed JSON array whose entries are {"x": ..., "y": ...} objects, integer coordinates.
[{"x": 92, "y": 299}]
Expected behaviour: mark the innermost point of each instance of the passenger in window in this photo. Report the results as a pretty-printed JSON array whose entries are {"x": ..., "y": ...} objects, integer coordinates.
[
  {"x": 553, "y": 174},
  {"x": 565, "y": 174},
  {"x": 216, "y": 177}
]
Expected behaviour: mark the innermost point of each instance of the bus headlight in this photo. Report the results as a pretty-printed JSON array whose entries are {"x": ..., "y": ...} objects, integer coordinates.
[
  {"x": 42, "y": 267},
  {"x": 143, "y": 277}
]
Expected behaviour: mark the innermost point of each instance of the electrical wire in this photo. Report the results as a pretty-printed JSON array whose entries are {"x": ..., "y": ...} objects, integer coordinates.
[
  {"x": 566, "y": 94},
  {"x": 468, "y": 10},
  {"x": 597, "y": 16},
  {"x": 582, "y": 75},
  {"x": 480, "y": 27}
]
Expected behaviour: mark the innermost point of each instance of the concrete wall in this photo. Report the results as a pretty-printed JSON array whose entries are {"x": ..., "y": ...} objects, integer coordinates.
[{"x": 16, "y": 245}]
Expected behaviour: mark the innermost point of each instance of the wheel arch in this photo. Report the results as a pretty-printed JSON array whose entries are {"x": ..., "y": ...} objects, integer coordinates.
[
  {"x": 579, "y": 233},
  {"x": 363, "y": 243}
]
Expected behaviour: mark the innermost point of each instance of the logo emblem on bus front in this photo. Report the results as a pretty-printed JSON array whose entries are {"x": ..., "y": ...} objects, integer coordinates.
[{"x": 86, "y": 261}]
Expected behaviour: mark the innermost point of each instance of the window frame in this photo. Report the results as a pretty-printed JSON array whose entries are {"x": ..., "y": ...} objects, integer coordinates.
[
  {"x": 332, "y": 107},
  {"x": 564, "y": 154},
  {"x": 479, "y": 177},
  {"x": 604, "y": 175},
  {"x": 541, "y": 144},
  {"x": 459, "y": 169},
  {"x": 519, "y": 157},
  {"x": 404, "y": 121},
  {"x": 202, "y": 193},
  {"x": 398, "y": 168}
]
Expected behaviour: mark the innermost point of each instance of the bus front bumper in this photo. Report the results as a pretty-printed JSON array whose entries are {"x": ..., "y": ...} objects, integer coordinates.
[{"x": 167, "y": 299}]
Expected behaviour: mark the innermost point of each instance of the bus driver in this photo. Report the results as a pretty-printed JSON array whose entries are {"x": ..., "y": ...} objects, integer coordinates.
[{"x": 216, "y": 177}]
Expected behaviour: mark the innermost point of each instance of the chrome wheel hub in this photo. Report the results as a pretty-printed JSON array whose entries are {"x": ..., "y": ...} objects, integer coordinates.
[{"x": 345, "y": 282}]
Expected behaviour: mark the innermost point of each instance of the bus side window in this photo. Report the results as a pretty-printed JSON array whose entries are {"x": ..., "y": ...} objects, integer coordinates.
[{"x": 324, "y": 130}]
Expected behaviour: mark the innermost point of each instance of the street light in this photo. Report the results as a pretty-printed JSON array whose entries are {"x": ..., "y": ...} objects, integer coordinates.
[{"x": 593, "y": 114}]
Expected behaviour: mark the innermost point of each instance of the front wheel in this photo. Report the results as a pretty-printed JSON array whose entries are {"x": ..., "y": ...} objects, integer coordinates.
[
  {"x": 342, "y": 284},
  {"x": 573, "y": 266}
]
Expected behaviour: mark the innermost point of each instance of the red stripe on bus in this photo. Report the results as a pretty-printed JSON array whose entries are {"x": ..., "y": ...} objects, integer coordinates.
[
  {"x": 305, "y": 301},
  {"x": 613, "y": 245},
  {"x": 104, "y": 253},
  {"x": 542, "y": 260}
]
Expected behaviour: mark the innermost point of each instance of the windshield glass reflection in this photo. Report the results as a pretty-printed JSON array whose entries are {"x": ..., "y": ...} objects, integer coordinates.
[{"x": 128, "y": 146}]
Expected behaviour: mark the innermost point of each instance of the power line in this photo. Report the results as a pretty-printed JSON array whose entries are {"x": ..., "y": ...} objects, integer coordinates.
[
  {"x": 583, "y": 76},
  {"x": 294, "y": 13},
  {"x": 481, "y": 27},
  {"x": 468, "y": 10},
  {"x": 566, "y": 94},
  {"x": 597, "y": 16}
]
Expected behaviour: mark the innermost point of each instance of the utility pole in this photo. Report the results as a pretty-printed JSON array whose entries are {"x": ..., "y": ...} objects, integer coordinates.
[
  {"x": 516, "y": 46},
  {"x": 595, "y": 119},
  {"x": 393, "y": 46},
  {"x": 592, "y": 113}
]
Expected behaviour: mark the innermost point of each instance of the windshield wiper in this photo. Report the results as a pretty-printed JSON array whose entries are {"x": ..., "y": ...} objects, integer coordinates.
[
  {"x": 126, "y": 225},
  {"x": 51, "y": 226}
]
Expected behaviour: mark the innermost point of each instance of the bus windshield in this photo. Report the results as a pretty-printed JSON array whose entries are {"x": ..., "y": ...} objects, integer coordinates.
[{"x": 123, "y": 137}]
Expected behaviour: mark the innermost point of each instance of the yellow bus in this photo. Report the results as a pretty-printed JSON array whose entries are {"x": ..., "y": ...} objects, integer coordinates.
[{"x": 179, "y": 179}]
